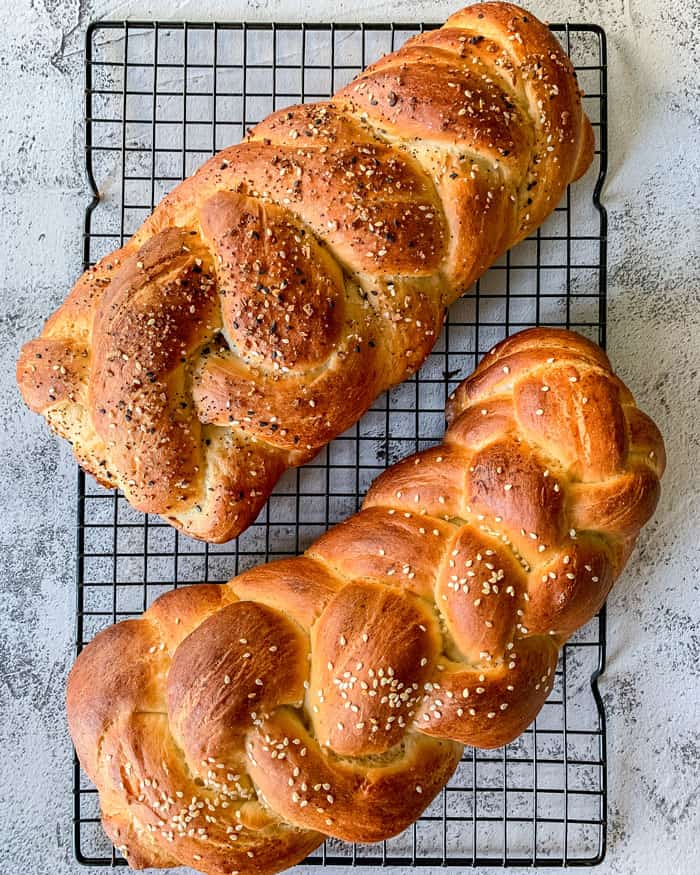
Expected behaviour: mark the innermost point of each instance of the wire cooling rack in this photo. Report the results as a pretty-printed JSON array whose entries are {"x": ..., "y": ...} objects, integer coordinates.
[{"x": 161, "y": 98}]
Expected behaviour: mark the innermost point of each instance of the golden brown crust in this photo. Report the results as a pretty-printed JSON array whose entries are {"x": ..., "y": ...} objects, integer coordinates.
[
  {"x": 371, "y": 645},
  {"x": 272, "y": 296},
  {"x": 330, "y": 694},
  {"x": 366, "y": 800}
]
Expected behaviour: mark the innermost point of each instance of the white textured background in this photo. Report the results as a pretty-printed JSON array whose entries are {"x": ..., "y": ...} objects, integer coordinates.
[{"x": 651, "y": 684}]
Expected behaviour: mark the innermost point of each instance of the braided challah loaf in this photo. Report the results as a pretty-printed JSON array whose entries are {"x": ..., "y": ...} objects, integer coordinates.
[
  {"x": 270, "y": 298},
  {"x": 232, "y": 727}
]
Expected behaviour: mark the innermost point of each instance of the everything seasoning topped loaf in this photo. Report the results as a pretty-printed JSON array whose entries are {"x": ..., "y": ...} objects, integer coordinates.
[{"x": 272, "y": 296}]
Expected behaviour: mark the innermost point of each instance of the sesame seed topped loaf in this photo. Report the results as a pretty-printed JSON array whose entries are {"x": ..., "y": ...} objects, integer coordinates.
[
  {"x": 271, "y": 297},
  {"x": 232, "y": 727}
]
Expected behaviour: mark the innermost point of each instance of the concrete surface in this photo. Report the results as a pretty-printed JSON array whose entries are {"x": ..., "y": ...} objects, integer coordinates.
[{"x": 651, "y": 684}]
